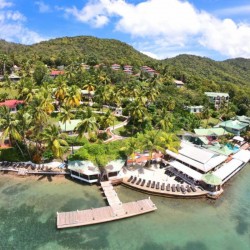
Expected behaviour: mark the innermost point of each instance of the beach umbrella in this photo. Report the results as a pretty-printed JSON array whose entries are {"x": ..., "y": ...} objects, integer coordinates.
[{"x": 211, "y": 179}]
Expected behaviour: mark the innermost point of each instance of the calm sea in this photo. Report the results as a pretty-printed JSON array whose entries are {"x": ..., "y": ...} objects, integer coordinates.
[{"x": 28, "y": 209}]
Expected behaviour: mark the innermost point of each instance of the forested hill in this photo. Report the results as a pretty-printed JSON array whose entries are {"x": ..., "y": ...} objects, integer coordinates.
[
  {"x": 91, "y": 50},
  {"x": 188, "y": 67}
]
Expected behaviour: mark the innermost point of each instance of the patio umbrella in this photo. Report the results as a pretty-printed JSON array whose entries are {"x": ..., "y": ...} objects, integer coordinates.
[{"x": 211, "y": 179}]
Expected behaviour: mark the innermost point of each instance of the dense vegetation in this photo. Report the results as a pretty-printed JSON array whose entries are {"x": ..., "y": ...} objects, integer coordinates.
[{"x": 154, "y": 105}]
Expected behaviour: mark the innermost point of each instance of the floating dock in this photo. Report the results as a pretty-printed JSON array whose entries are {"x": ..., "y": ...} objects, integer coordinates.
[{"x": 115, "y": 211}]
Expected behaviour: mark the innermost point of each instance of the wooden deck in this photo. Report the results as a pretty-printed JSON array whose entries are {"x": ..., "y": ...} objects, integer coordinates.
[
  {"x": 159, "y": 192},
  {"x": 115, "y": 211}
]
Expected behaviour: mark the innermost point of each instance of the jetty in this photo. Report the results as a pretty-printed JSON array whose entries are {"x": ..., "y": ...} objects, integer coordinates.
[{"x": 115, "y": 211}]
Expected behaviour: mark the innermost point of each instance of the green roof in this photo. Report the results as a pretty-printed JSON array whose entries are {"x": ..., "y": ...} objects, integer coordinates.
[
  {"x": 237, "y": 125},
  {"x": 243, "y": 118},
  {"x": 211, "y": 131},
  {"x": 211, "y": 179},
  {"x": 69, "y": 125}
]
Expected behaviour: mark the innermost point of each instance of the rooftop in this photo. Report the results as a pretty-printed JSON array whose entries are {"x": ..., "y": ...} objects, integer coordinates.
[
  {"x": 234, "y": 124},
  {"x": 215, "y": 94},
  {"x": 11, "y": 103},
  {"x": 210, "y": 131}
]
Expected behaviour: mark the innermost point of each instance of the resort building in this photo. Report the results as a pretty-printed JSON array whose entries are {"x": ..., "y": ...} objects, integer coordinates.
[
  {"x": 84, "y": 170},
  {"x": 148, "y": 70},
  {"x": 13, "y": 77},
  {"x": 192, "y": 161},
  {"x": 195, "y": 109},
  {"x": 55, "y": 73},
  {"x": 217, "y": 98},
  {"x": 115, "y": 66},
  {"x": 234, "y": 126},
  {"x": 178, "y": 83},
  {"x": 243, "y": 119},
  {"x": 128, "y": 67},
  {"x": 12, "y": 104},
  {"x": 85, "y": 66}
]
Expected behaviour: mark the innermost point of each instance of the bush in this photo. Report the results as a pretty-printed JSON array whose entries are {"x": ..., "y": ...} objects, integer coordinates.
[
  {"x": 12, "y": 154},
  {"x": 76, "y": 141}
]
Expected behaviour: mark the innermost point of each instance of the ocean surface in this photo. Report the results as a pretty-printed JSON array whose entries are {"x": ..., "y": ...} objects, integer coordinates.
[{"x": 28, "y": 209}]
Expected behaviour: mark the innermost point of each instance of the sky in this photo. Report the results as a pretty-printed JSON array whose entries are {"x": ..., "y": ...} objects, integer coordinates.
[{"x": 218, "y": 29}]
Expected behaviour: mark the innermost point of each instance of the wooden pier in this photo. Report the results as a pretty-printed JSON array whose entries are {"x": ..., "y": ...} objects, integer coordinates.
[{"x": 115, "y": 211}]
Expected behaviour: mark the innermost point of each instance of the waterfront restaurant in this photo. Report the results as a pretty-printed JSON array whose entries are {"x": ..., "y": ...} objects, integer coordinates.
[
  {"x": 84, "y": 170},
  {"x": 192, "y": 162}
]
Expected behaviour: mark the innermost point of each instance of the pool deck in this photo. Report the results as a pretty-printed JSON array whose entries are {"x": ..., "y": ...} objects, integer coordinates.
[
  {"x": 115, "y": 211},
  {"x": 164, "y": 192}
]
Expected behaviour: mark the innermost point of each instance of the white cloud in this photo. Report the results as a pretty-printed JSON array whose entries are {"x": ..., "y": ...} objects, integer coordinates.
[
  {"x": 43, "y": 8},
  {"x": 13, "y": 28},
  {"x": 4, "y": 3},
  {"x": 150, "y": 54},
  {"x": 168, "y": 23}
]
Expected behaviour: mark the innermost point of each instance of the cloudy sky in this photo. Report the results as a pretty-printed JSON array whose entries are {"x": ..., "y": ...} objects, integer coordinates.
[{"x": 218, "y": 29}]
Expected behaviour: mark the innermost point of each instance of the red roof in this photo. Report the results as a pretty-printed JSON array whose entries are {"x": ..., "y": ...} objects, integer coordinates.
[
  {"x": 11, "y": 103},
  {"x": 56, "y": 72}
]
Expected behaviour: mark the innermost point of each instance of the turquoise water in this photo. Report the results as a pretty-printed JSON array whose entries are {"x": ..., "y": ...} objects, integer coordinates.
[{"x": 28, "y": 209}]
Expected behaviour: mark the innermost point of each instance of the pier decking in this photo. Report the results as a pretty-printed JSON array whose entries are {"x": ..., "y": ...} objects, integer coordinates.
[{"x": 115, "y": 211}]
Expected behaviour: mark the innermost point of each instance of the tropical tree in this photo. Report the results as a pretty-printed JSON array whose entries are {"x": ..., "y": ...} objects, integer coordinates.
[
  {"x": 66, "y": 115},
  {"x": 9, "y": 127},
  {"x": 54, "y": 141},
  {"x": 73, "y": 96},
  {"x": 87, "y": 125}
]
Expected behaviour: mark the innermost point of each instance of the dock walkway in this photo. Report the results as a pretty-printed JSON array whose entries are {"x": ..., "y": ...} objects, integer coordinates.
[{"x": 115, "y": 211}]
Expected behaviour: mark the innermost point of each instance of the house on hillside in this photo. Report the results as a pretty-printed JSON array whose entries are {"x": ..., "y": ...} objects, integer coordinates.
[
  {"x": 13, "y": 77},
  {"x": 217, "y": 98},
  {"x": 12, "y": 104},
  {"x": 55, "y": 73},
  {"x": 234, "y": 126},
  {"x": 115, "y": 66},
  {"x": 195, "y": 109},
  {"x": 178, "y": 83}
]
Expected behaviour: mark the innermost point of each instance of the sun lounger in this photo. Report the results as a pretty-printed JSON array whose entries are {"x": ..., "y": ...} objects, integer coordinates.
[
  {"x": 178, "y": 188},
  {"x": 134, "y": 180},
  {"x": 173, "y": 188},
  {"x": 130, "y": 178},
  {"x": 193, "y": 188},
  {"x": 183, "y": 189},
  {"x": 138, "y": 182},
  {"x": 158, "y": 185},
  {"x": 163, "y": 186},
  {"x": 188, "y": 188},
  {"x": 143, "y": 182},
  {"x": 148, "y": 184},
  {"x": 153, "y": 184},
  {"x": 168, "y": 187}
]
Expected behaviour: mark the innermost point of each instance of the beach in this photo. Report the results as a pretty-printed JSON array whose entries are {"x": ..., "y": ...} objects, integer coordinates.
[{"x": 29, "y": 206}]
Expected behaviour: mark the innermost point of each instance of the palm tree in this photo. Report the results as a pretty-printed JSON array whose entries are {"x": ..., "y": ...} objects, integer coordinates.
[
  {"x": 54, "y": 140},
  {"x": 61, "y": 90},
  {"x": 131, "y": 147},
  {"x": 73, "y": 97},
  {"x": 65, "y": 115},
  {"x": 87, "y": 125},
  {"x": 9, "y": 127}
]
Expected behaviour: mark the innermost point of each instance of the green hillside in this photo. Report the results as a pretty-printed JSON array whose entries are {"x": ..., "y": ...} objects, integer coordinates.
[
  {"x": 91, "y": 50},
  {"x": 189, "y": 67}
]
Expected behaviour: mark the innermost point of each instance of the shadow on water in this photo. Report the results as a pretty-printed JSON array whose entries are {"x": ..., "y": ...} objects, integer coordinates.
[
  {"x": 15, "y": 189},
  {"x": 21, "y": 229}
]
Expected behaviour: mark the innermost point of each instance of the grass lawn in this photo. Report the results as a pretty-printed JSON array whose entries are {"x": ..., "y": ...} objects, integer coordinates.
[{"x": 210, "y": 123}]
